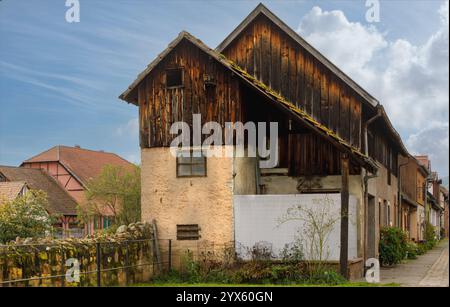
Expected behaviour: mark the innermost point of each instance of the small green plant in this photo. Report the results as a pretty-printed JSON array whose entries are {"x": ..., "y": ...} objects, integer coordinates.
[
  {"x": 430, "y": 235},
  {"x": 292, "y": 252},
  {"x": 329, "y": 277},
  {"x": 191, "y": 269},
  {"x": 412, "y": 250},
  {"x": 393, "y": 245}
]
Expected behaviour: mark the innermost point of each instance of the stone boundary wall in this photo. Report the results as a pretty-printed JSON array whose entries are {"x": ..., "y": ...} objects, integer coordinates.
[{"x": 125, "y": 257}]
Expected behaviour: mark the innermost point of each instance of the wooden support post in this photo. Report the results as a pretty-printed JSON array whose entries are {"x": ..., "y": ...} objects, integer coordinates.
[{"x": 343, "y": 259}]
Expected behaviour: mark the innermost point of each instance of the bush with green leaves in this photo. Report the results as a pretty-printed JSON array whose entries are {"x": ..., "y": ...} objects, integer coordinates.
[
  {"x": 25, "y": 217},
  {"x": 393, "y": 245},
  {"x": 412, "y": 250},
  {"x": 430, "y": 235},
  {"x": 292, "y": 252}
]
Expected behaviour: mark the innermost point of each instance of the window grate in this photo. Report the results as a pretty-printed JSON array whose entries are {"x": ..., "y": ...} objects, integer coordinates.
[{"x": 188, "y": 232}]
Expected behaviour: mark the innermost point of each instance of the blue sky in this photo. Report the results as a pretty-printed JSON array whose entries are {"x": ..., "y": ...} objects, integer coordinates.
[{"x": 60, "y": 81}]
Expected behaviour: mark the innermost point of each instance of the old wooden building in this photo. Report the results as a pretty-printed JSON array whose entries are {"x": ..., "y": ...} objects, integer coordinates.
[{"x": 263, "y": 72}]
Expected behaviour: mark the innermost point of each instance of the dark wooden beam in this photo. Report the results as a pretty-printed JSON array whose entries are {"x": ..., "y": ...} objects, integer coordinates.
[{"x": 343, "y": 259}]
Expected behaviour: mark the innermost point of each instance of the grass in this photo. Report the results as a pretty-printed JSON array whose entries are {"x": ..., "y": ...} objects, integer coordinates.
[{"x": 349, "y": 284}]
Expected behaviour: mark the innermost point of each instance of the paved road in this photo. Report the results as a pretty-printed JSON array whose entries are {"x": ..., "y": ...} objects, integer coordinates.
[{"x": 429, "y": 270}]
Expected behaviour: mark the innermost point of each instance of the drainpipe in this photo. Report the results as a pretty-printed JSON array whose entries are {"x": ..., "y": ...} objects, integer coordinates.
[
  {"x": 399, "y": 194},
  {"x": 366, "y": 180},
  {"x": 426, "y": 215}
]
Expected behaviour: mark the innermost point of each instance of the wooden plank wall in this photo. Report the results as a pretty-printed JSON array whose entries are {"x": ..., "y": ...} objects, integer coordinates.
[
  {"x": 409, "y": 174},
  {"x": 381, "y": 149},
  {"x": 303, "y": 152},
  {"x": 159, "y": 106},
  {"x": 269, "y": 54}
]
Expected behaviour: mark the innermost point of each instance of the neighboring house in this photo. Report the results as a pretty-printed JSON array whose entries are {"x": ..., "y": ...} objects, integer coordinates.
[
  {"x": 11, "y": 190},
  {"x": 263, "y": 72},
  {"x": 413, "y": 177},
  {"x": 438, "y": 206},
  {"x": 60, "y": 203},
  {"x": 73, "y": 167},
  {"x": 435, "y": 200},
  {"x": 444, "y": 193}
]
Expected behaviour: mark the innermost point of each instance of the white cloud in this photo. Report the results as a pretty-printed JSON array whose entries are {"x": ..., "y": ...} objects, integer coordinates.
[
  {"x": 131, "y": 128},
  {"x": 434, "y": 140},
  {"x": 411, "y": 81}
]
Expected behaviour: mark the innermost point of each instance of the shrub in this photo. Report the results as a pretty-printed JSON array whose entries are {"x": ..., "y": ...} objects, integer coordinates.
[
  {"x": 329, "y": 277},
  {"x": 430, "y": 235},
  {"x": 292, "y": 252},
  {"x": 412, "y": 250},
  {"x": 421, "y": 248},
  {"x": 26, "y": 216},
  {"x": 393, "y": 245}
]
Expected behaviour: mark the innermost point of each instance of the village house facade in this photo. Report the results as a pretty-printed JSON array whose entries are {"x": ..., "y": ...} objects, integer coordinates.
[
  {"x": 60, "y": 203},
  {"x": 335, "y": 140},
  {"x": 413, "y": 187},
  {"x": 444, "y": 196},
  {"x": 435, "y": 198},
  {"x": 73, "y": 167}
]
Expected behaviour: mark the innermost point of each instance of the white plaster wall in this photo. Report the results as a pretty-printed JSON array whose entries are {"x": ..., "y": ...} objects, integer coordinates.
[{"x": 257, "y": 219}]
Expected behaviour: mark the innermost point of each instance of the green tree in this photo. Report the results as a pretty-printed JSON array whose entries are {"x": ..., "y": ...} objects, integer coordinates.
[
  {"x": 24, "y": 217},
  {"x": 116, "y": 190}
]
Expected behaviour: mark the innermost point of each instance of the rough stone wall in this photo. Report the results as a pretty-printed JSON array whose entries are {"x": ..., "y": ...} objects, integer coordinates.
[
  {"x": 206, "y": 201},
  {"x": 41, "y": 262}
]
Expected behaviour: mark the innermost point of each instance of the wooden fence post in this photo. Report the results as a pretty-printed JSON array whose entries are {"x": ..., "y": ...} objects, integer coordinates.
[
  {"x": 98, "y": 261},
  {"x": 156, "y": 246},
  {"x": 127, "y": 263}
]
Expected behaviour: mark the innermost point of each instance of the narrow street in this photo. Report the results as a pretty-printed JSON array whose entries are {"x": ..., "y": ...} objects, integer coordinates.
[{"x": 429, "y": 270}]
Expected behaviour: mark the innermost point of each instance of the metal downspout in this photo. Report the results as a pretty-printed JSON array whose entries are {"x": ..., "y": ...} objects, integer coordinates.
[{"x": 366, "y": 181}]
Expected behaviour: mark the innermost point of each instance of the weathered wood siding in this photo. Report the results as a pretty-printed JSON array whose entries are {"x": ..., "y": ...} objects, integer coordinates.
[
  {"x": 301, "y": 151},
  {"x": 381, "y": 148},
  {"x": 229, "y": 101},
  {"x": 159, "y": 106},
  {"x": 270, "y": 55}
]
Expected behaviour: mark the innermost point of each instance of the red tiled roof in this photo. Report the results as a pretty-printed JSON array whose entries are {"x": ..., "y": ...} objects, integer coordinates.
[
  {"x": 59, "y": 201},
  {"x": 84, "y": 164}
]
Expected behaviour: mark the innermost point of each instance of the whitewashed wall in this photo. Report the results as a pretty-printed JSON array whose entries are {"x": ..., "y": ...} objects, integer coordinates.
[{"x": 257, "y": 217}]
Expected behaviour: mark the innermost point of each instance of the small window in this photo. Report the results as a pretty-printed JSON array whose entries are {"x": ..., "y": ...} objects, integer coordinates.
[
  {"x": 191, "y": 164},
  {"x": 188, "y": 232},
  {"x": 174, "y": 77}
]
